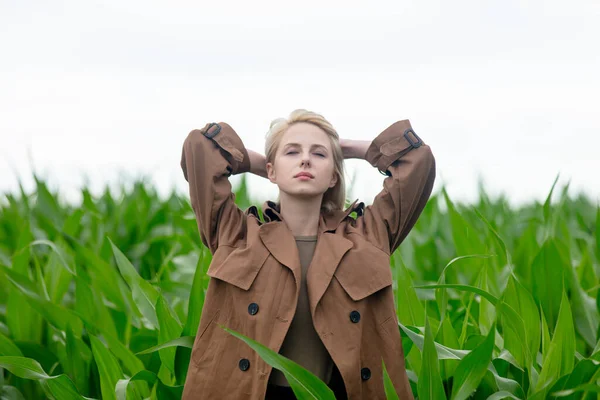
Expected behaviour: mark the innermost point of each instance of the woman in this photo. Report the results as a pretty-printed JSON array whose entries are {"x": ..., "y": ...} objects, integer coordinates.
[{"x": 309, "y": 281}]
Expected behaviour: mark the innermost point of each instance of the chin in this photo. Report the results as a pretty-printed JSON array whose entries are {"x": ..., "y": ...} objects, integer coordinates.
[{"x": 304, "y": 194}]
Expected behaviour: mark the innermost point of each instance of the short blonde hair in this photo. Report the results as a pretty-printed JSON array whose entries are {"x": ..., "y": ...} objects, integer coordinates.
[{"x": 335, "y": 197}]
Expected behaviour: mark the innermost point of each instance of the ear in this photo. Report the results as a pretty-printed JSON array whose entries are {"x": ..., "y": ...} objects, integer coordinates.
[
  {"x": 271, "y": 172},
  {"x": 334, "y": 180}
]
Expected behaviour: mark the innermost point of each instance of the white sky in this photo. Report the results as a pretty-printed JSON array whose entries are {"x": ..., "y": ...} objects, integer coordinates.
[{"x": 504, "y": 90}]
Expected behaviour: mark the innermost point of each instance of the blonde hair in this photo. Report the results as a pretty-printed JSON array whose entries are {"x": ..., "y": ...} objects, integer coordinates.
[{"x": 334, "y": 198}]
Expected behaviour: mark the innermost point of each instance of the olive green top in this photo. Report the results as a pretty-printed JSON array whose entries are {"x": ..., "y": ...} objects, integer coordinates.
[{"x": 302, "y": 343}]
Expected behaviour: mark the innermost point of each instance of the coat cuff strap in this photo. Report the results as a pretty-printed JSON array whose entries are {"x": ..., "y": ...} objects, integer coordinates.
[
  {"x": 391, "y": 145},
  {"x": 229, "y": 141}
]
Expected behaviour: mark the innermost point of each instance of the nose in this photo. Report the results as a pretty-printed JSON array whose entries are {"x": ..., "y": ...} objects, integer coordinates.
[{"x": 305, "y": 161}]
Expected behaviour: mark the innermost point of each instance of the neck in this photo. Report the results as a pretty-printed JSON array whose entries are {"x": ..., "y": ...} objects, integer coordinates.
[{"x": 301, "y": 215}]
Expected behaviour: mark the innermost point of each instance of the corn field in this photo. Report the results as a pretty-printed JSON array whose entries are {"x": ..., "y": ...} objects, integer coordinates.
[{"x": 102, "y": 299}]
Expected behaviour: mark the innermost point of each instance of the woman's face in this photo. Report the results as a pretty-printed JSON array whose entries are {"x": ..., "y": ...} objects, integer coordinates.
[{"x": 305, "y": 150}]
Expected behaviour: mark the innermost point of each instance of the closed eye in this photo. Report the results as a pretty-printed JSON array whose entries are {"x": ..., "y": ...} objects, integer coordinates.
[{"x": 295, "y": 152}]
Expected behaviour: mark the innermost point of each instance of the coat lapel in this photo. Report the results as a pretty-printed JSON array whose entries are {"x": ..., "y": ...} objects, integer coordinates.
[
  {"x": 280, "y": 242},
  {"x": 330, "y": 249},
  {"x": 328, "y": 253}
]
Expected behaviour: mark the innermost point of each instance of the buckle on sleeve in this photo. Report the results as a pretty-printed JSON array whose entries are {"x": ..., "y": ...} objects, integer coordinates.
[
  {"x": 215, "y": 131},
  {"x": 414, "y": 144}
]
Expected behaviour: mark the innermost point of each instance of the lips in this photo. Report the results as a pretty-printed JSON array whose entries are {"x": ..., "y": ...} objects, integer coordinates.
[{"x": 307, "y": 174}]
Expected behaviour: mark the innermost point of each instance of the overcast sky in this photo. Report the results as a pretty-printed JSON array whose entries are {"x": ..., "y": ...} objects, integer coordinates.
[{"x": 504, "y": 90}]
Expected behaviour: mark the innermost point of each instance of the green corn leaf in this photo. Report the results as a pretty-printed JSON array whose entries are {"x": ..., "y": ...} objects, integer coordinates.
[
  {"x": 487, "y": 310},
  {"x": 446, "y": 336},
  {"x": 585, "y": 373},
  {"x": 440, "y": 294},
  {"x": 22, "y": 367},
  {"x": 108, "y": 368},
  {"x": 503, "y": 395},
  {"x": 131, "y": 363},
  {"x": 545, "y": 339},
  {"x": 8, "y": 348},
  {"x": 487, "y": 295},
  {"x": 62, "y": 257},
  {"x": 144, "y": 294},
  {"x": 443, "y": 352},
  {"x": 197, "y": 294},
  {"x": 585, "y": 313},
  {"x": 505, "y": 384},
  {"x": 304, "y": 383},
  {"x": 521, "y": 301},
  {"x": 107, "y": 278},
  {"x": 586, "y": 275},
  {"x": 24, "y": 322},
  {"x": 464, "y": 235},
  {"x": 38, "y": 279},
  {"x": 598, "y": 234},
  {"x": 411, "y": 312},
  {"x": 60, "y": 386},
  {"x": 78, "y": 361},
  {"x": 588, "y": 388},
  {"x": 98, "y": 320},
  {"x": 596, "y": 352},
  {"x": 20, "y": 259},
  {"x": 10, "y": 393},
  {"x": 22, "y": 282},
  {"x": 547, "y": 203},
  {"x": 430, "y": 382},
  {"x": 505, "y": 256},
  {"x": 91, "y": 309},
  {"x": 515, "y": 328},
  {"x": 167, "y": 392},
  {"x": 56, "y": 279},
  {"x": 466, "y": 241},
  {"x": 472, "y": 368},
  {"x": 548, "y": 268},
  {"x": 560, "y": 358},
  {"x": 46, "y": 203},
  {"x": 57, "y": 315},
  {"x": 388, "y": 385},
  {"x": 169, "y": 329},
  {"x": 526, "y": 248},
  {"x": 184, "y": 341},
  {"x": 73, "y": 223}
]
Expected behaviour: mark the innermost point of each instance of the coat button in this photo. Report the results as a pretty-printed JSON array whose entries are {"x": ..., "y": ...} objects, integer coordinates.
[
  {"x": 253, "y": 309},
  {"x": 244, "y": 364},
  {"x": 355, "y": 316},
  {"x": 365, "y": 374}
]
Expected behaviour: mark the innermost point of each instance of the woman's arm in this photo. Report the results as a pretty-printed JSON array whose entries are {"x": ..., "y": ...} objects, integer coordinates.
[
  {"x": 257, "y": 163},
  {"x": 410, "y": 168},
  {"x": 354, "y": 148},
  {"x": 209, "y": 156}
]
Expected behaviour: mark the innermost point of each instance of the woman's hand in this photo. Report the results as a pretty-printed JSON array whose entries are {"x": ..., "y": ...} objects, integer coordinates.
[
  {"x": 258, "y": 163},
  {"x": 354, "y": 148}
]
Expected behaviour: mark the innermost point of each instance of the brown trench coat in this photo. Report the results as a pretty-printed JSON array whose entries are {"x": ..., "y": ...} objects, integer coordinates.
[{"x": 256, "y": 263}]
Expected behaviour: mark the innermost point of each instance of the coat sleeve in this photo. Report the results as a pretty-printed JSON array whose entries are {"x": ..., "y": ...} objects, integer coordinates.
[
  {"x": 209, "y": 156},
  {"x": 409, "y": 166}
]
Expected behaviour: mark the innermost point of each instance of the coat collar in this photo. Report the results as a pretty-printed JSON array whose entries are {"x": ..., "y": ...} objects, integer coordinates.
[{"x": 327, "y": 222}]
